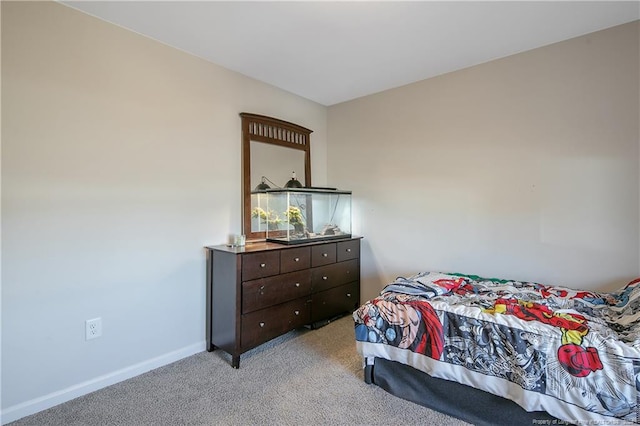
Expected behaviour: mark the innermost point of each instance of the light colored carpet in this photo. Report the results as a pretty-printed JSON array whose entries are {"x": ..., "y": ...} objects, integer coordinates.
[{"x": 306, "y": 377}]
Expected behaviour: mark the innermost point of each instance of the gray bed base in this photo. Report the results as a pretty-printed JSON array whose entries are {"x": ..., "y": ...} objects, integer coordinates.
[{"x": 454, "y": 399}]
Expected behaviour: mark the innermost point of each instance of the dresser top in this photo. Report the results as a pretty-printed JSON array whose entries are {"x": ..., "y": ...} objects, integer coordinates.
[{"x": 251, "y": 247}]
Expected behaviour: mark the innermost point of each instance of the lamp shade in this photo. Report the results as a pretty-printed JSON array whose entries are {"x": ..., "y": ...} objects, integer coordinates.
[
  {"x": 262, "y": 185},
  {"x": 293, "y": 182}
]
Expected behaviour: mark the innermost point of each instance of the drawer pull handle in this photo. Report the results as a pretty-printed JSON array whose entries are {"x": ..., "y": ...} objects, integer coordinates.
[
  {"x": 261, "y": 289},
  {"x": 296, "y": 312},
  {"x": 261, "y": 324},
  {"x": 325, "y": 254},
  {"x": 325, "y": 278},
  {"x": 262, "y": 265},
  {"x": 297, "y": 259},
  {"x": 348, "y": 294},
  {"x": 348, "y": 250},
  {"x": 297, "y": 284}
]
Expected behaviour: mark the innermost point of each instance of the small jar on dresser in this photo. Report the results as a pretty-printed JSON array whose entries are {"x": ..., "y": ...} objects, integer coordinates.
[{"x": 263, "y": 290}]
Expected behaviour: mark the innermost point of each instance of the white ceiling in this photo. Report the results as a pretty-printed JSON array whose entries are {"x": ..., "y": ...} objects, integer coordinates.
[{"x": 331, "y": 52}]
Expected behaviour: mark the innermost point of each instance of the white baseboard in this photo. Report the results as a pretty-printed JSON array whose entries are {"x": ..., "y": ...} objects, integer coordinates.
[{"x": 33, "y": 406}]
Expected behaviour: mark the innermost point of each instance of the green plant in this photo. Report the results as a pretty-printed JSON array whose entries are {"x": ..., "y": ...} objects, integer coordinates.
[
  {"x": 295, "y": 218},
  {"x": 270, "y": 218}
]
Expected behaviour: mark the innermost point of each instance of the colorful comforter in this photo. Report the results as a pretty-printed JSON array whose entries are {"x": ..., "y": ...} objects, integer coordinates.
[{"x": 574, "y": 354}]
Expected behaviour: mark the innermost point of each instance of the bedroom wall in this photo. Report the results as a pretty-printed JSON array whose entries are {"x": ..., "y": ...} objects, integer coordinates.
[
  {"x": 120, "y": 161},
  {"x": 524, "y": 167}
]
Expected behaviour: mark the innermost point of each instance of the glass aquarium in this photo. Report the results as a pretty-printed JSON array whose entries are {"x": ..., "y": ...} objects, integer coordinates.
[{"x": 301, "y": 215}]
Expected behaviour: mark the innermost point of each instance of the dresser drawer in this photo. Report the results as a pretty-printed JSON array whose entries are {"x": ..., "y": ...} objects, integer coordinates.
[
  {"x": 323, "y": 254},
  {"x": 335, "y": 301},
  {"x": 329, "y": 276},
  {"x": 258, "y": 265},
  {"x": 348, "y": 250},
  {"x": 265, "y": 292},
  {"x": 263, "y": 325},
  {"x": 295, "y": 259}
]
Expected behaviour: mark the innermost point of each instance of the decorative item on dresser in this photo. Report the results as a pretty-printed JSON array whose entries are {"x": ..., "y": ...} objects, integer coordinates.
[{"x": 263, "y": 290}]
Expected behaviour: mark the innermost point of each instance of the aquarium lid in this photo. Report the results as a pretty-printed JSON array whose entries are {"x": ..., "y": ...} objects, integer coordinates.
[{"x": 307, "y": 190}]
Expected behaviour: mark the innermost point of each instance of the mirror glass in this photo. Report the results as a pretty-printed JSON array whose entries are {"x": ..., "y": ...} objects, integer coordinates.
[{"x": 275, "y": 163}]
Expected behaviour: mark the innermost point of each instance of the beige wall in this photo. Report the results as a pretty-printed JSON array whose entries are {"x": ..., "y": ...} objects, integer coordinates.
[
  {"x": 120, "y": 161},
  {"x": 525, "y": 167}
]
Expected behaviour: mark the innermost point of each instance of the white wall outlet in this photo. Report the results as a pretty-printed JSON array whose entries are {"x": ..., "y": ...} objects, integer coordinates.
[{"x": 93, "y": 328}]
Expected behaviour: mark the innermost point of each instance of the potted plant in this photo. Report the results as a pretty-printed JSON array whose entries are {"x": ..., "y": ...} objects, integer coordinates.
[
  {"x": 269, "y": 218},
  {"x": 295, "y": 218}
]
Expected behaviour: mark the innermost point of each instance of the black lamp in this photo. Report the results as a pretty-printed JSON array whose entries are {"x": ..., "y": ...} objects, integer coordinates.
[
  {"x": 293, "y": 182},
  {"x": 262, "y": 185}
]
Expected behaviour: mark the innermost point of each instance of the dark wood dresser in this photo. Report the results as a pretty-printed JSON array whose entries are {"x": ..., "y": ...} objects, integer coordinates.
[{"x": 263, "y": 290}]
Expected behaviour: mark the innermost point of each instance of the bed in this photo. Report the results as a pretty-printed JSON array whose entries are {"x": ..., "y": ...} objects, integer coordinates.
[{"x": 493, "y": 351}]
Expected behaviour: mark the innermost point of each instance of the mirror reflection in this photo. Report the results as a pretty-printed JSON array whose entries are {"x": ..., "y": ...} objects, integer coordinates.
[{"x": 276, "y": 163}]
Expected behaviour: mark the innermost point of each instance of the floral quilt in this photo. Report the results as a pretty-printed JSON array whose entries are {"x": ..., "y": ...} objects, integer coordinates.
[{"x": 574, "y": 354}]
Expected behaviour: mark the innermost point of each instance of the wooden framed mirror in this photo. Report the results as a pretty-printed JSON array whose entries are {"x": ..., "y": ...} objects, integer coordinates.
[{"x": 274, "y": 149}]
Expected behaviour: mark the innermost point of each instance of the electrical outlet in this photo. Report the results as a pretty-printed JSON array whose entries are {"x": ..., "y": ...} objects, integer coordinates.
[{"x": 93, "y": 328}]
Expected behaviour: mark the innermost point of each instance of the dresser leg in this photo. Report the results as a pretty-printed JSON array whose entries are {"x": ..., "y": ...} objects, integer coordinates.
[{"x": 235, "y": 361}]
